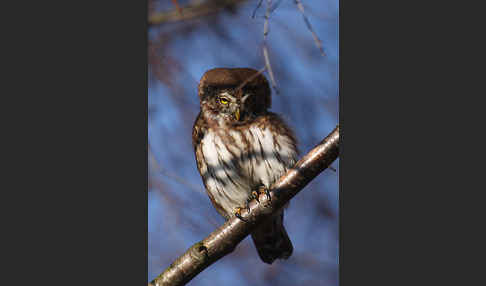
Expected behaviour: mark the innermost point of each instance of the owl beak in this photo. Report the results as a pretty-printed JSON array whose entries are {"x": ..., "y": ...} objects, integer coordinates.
[{"x": 237, "y": 114}]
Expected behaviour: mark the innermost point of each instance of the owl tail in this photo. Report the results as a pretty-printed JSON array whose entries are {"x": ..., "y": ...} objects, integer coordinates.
[{"x": 271, "y": 240}]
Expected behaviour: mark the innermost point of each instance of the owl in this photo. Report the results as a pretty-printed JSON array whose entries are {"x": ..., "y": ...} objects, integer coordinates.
[{"x": 241, "y": 149}]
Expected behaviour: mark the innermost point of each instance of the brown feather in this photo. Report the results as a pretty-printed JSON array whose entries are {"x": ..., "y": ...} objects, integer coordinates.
[{"x": 272, "y": 241}]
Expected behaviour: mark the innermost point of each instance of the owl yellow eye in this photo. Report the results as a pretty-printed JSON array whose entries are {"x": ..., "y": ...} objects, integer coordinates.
[{"x": 223, "y": 100}]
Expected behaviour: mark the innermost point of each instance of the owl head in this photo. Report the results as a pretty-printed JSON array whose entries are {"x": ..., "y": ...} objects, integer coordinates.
[{"x": 235, "y": 95}]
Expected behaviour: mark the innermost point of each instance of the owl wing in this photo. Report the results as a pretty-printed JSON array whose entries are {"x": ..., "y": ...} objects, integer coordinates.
[
  {"x": 274, "y": 147},
  {"x": 271, "y": 239},
  {"x": 280, "y": 127},
  {"x": 199, "y": 129}
]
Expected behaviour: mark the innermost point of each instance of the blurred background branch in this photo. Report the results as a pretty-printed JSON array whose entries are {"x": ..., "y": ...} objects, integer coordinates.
[{"x": 196, "y": 9}]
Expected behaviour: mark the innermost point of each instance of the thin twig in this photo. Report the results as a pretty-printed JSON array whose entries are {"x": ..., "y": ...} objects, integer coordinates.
[
  {"x": 275, "y": 6},
  {"x": 314, "y": 35},
  {"x": 265, "y": 49},
  {"x": 269, "y": 68},
  {"x": 250, "y": 78},
  {"x": 256, "y": 8},
  {"x": 267, "y": 16},
  {"x": 224, "y": 240}
]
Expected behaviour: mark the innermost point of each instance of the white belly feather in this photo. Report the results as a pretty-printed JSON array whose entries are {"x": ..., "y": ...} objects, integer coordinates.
[{"x": 233, "y": 172}]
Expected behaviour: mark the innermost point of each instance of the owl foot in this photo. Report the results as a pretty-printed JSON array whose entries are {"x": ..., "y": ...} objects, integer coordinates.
[
  {"x": 264, "y": 190},
  {"x": 238, "y": 214},
  {"x": 247, "y": 205},
  {"x": 254, "y": 195}
]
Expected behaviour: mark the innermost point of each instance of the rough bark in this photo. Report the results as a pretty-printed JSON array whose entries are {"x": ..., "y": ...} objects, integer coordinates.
[{"x": 224, "y": 240}]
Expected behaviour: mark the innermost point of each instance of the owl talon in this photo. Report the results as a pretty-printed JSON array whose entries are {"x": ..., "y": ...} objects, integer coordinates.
[
  {"x": 247, "y": 206},
  {"x": 255, "y": 196},
  {"x": 267, "y": 193},
  {"x": 238, "y": 214}
]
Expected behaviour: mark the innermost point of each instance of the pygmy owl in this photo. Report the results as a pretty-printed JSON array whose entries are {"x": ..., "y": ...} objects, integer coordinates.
[{"x": 241, "y": 149}]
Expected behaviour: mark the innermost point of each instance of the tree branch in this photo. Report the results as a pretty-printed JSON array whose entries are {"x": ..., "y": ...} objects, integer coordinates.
[
  {"x": 192, "y": 11},
  {"x": 224, "y": 240}
]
